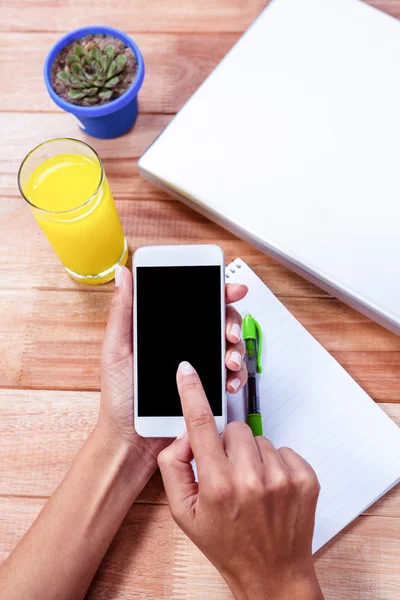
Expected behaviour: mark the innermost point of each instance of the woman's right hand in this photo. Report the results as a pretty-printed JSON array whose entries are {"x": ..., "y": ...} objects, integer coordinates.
[{"x": 252, "y": 511}]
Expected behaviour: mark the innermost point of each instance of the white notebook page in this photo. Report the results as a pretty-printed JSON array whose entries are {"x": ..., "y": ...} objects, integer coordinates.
[{"x": 311, "y": 404}]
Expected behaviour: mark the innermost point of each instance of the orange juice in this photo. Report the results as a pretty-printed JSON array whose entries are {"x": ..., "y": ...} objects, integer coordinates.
[{"x": 72, "y": 202}]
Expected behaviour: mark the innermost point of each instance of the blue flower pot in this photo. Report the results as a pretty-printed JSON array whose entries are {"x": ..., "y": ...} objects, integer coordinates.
[{"x": 109, "y": 120}]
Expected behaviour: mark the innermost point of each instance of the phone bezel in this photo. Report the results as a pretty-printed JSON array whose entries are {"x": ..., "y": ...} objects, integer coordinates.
[{"x": 171, "y": 256}]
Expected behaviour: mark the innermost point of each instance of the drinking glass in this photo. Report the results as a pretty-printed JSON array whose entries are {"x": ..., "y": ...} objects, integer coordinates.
[{"x": 64, "y": 183}]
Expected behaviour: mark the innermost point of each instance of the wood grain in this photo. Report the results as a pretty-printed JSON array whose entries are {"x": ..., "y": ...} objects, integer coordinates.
[
  {"x": 149, "y": 221},
  {"x": 23, "y": 131},
  {"x": 136, "y": 566},
  {"x": 53, "y": 426},
  {"x": 155, "y": 16},
  {"x": 166, "y": 222},
  {"x": 361, "y": 562},
  {"x": 175, "y": 67},
  {"x": 40, "y": 434},
  {"x": 176, "y": 64},
  {"x": 358, "y": 562},
  {"x": 60, "y": 333},
  {"x": 377, "y": 372}
]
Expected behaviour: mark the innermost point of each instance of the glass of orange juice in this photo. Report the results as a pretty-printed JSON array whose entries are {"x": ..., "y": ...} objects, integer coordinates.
[{"x": 64, "y": 183}]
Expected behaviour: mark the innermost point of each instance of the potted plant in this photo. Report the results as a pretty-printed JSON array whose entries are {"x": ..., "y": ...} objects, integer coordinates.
[{"x": 95, "y": 73}]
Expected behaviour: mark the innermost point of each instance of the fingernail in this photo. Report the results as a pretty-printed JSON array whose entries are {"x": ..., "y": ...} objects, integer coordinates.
[
  {"x": 236, "y": 358},
  {"x": 236, "y": 331},
  {"x": 119, "y": 275},
  {"x": 186, "y": 368},
  {"x": 183, "y": 435},
  {"x": 235, "y": 384}
]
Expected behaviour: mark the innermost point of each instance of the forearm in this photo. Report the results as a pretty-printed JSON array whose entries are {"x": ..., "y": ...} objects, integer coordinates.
[{"x": 59, "y": 555}]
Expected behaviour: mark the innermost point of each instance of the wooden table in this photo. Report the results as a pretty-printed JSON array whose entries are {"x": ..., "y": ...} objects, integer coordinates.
[{"x": 51, "y": 329}]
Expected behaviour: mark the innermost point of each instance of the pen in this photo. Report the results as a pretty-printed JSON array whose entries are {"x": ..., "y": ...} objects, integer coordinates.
[{"x": 252, "y": 337}]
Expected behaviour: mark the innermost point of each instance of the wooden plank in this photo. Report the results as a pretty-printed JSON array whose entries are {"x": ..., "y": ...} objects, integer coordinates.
[
  {"x": 22, "y": 132},
  {"x": 41, "y": 432},
  {"x": 165, "y": 222},
  {"x": 156, "y": 16},
  {"x": 175, "y": 67},
  {"x": 60, "y": 333},
  {"x": 338, "y": 327},
  {"x": 378, "y": 373},
  {"x": 140, "y": 562},
  {"x": 361, "y": 561},
  {"x": 12, "y": 338},
  {"x": 358, "y": 346},
  {"x": 176, "y": 64},
  {"x": 144, "y": 221},
  {"x": 151, "y": 558},
  {"x": 57, "y": 335}
]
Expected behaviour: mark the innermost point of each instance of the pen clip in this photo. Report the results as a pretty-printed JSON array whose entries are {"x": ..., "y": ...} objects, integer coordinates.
[
  {"x": 259, "y": 346},
  {"x": 252, "y": 331}
]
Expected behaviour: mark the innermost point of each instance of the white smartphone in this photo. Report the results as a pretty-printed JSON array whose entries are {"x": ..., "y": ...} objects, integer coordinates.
[{"x": 178, "y": 315}]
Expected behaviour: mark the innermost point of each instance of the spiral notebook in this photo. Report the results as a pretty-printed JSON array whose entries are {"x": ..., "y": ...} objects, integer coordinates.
[{"x": 310, "y": 403}]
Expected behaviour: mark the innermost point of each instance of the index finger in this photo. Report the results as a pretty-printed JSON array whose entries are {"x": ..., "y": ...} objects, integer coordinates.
[{"x": 200, "y": 423}]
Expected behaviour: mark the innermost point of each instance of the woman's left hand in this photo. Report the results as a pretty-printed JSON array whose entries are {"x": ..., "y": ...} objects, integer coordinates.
[{"x": 116, "y": 408}]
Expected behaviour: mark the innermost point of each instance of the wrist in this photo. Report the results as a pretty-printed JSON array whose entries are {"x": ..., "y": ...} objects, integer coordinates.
[
  {"x": 131, "y": 459},
  {"x": 133, "y": 448},
  {"x": 265, "y": 588},
  {"x": 307, "y": 588}
]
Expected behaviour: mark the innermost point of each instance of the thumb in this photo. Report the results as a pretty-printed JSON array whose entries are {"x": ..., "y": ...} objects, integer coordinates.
[
  {"x": 178, "y": 476},
  {"x": 118, "y": 338}
]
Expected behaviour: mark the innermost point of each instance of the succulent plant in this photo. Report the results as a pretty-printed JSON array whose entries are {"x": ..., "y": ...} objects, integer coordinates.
[{"x": 92, "y": 73}]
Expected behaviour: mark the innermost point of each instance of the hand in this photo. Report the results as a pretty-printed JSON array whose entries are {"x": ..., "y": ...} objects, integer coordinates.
[
  {"x": 252, "y": 511},
  {"x": 116, "y": 409}
]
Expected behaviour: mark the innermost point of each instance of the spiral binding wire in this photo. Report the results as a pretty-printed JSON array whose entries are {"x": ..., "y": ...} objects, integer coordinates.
[{"x": 232, "y": 267}]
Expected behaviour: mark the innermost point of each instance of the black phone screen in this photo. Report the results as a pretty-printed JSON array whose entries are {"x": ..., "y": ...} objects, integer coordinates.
[{"x": 178, "y": 318}]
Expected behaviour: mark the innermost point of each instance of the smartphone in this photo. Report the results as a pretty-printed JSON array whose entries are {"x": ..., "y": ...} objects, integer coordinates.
[{"x": 178, "y": 315}]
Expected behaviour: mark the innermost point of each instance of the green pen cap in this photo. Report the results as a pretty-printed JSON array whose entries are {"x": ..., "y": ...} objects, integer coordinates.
[
  {"x": 251, "y": 330},
  {"x": 254, "y": 421}
]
